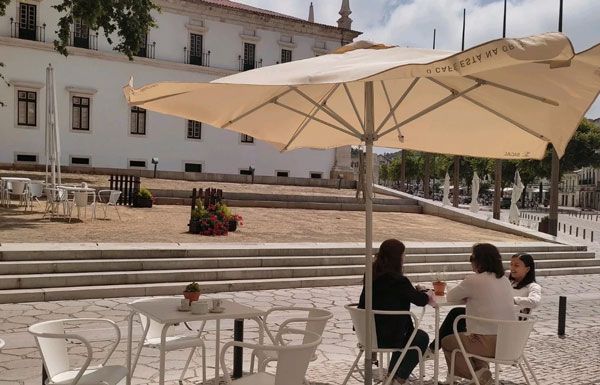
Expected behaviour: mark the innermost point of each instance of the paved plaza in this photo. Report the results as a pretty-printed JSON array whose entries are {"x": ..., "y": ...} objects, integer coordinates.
[{"x": 572, "y": 360}]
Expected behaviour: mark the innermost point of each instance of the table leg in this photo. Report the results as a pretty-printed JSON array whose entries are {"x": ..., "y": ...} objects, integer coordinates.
[
  {"x": 129, "y": 346},
  {"x": 217, "y": 351},
  {"x": 436, "y": 355},
  {"x": 238, "y": 355},
  {"x": 163, "y": 341}
]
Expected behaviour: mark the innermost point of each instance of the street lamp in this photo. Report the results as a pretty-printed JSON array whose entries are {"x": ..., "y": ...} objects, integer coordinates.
[{"x": 155, "y": 163}]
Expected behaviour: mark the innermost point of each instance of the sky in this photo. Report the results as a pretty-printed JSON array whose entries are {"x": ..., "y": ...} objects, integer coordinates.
[{"x": 411, "y": 22}]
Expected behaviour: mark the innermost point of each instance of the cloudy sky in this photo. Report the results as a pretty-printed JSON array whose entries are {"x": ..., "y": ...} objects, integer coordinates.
[{"x": 411, "y": 22}]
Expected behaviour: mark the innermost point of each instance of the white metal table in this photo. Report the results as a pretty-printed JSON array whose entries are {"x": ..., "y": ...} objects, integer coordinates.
[
  {"x": 441, "y": 302},
  {"x": 165, "y": 311}
]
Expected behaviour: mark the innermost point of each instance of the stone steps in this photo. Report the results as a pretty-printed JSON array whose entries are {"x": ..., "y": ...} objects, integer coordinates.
[
  {"x": 288, "y": 201},
  {"x": 43, "y": 272}
]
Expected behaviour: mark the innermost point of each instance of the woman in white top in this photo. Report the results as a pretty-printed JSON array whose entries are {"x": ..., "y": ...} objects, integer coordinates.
[
  {"x": 487, "y": 294},
  {"x": 527, "y": 293}
]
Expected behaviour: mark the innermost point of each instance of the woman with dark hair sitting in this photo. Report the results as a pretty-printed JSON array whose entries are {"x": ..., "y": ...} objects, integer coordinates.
[
  {"x": 393, "y": 291},
  {"x": 527, "y": 293},
  {"x": 487, "y": 294}
]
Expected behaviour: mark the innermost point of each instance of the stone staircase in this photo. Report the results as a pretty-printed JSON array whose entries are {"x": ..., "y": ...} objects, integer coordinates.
[
  {"x": 287, "y": 201},
  {"x": 47, "y": 272}
]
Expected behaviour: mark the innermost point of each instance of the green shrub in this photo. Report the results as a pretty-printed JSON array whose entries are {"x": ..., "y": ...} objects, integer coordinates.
[{"x": 144, "y": 193}]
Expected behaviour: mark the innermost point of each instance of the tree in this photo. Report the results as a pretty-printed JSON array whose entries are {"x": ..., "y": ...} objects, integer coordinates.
[
  {"x": 384, "y": 173},
  {"x": 394, "y": 170},
  {"x": 129, "y": 19}
]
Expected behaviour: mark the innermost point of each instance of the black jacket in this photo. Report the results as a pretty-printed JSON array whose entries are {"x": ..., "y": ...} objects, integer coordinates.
[{"x": 393, "y": 292}]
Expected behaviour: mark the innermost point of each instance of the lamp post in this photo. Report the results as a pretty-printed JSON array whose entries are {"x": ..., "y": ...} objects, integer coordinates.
[{"x": 155, "y": 163}]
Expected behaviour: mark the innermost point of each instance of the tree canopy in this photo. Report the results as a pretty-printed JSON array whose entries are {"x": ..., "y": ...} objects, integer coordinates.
[{"x": 129, "y": 19}]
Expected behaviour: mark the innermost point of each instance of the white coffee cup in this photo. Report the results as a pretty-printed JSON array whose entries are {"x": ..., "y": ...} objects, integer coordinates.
[
  {"x": 185, "y": 304},
  {"x": 216, "y": 303},
  {"x": 199, "y": 307}
]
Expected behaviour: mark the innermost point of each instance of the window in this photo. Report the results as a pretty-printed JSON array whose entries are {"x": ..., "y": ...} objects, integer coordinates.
[
  {"x": 137, "y": 163},
  {"x": 26, "y": 158},
  {"x": 245, "y": 171},
  {"x": 249, "y": 56},
  {"x": 27, "y": 21},
  {"x": 286, "y": 55},
  {"x": 138, "y": 121},
  {"x": 81, "y": 34},
  {"x": 246, "y": 138},
  {"x": 316, "y": 175},
  {"x": 194, "y": 130},
  {"x": 196, "y": 49},
  {"x": 80, "y": 161},
  {"x": 81, "y": 113},
  {"x": 26, "y": 108},
  {"x": 282, "y": 173},
  {"x": 193, "y": 167}
]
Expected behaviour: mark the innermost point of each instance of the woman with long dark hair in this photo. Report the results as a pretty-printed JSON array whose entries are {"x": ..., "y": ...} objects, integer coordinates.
[
  {"x": 487, "y": 294},
  {"x": 527, "y": 293},
  {"x": 393, "y": 291}
]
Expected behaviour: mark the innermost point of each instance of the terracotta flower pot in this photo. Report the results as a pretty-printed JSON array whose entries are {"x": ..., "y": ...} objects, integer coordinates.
[
  {"x": 191, "y": 296},
  {"x": 439, "y": 287}
]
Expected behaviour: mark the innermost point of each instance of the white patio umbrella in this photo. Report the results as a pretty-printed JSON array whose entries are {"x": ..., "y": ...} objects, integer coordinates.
[
  {"x": 507, "y": 98},
  {"x": 475, "y": 193},
  {"x": 446, "y": 198},
  {"x": 52, "y": 136},
  {"x": 518, "y": 187}
]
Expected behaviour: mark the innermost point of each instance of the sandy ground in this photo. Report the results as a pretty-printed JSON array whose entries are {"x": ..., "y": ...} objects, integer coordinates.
[{"x": 164, "y": 223}]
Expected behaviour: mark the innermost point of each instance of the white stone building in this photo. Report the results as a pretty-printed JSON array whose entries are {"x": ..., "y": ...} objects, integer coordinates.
[{"x": 195, "y": 40}]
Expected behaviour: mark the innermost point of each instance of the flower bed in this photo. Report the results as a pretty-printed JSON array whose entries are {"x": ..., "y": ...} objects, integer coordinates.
[{"x": 215, "y": 219}]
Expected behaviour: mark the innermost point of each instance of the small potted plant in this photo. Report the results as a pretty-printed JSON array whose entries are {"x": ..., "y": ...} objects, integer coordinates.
[
  {"x": 198, "y": 218},
  {"x": 232, "y": 220},
  {"x": 192, "y": 292},
  {"x": 439, "y": 283},
  {"x": 142, "y": 198}
]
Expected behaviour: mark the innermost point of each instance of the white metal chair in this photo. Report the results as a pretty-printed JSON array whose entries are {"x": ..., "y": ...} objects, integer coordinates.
[
  {"x": 19, "y": 189},
  {"x": 292, "y": 359},
  {"x": 314, "y": 321},
  {"x": 4, "y": 190},
  {"x": 511, "y": 339},
  {"x": 51, "y": 339},
  {"x": 81, "y": 200},
  {"x": 35, "y": 190},
  {"x": 151, "y": 338},
  {"x": 107, "y": 198},
  {"x": 358, "y": 321},
  {"x": 56, "y": 198}
]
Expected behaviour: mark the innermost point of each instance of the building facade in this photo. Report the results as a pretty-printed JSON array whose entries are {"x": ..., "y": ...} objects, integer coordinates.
[{"x": 195, "y": 40}]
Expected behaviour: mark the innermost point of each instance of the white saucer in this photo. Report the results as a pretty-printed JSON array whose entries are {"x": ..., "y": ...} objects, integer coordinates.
[{"x": 217, "y": 310}]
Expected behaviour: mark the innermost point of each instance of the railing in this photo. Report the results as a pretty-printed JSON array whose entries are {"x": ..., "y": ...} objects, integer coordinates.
[
  {"x": 27, "y": 31},
  {"x": 129, "y": 185},
  {"x": 196, "y": 58},
  {"x": 89, "y": 42},
  {"x": 245, "y": 65},
  {"x": 147, "y": 51}
]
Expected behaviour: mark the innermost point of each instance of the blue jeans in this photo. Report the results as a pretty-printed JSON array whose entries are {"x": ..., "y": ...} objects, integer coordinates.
[{"x": 411, "y": 359}]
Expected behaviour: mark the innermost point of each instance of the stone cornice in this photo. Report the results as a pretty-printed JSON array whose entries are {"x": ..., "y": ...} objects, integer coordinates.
[
  {"x": 114, "y": 56},
  {"x": 246, "y": 18}
]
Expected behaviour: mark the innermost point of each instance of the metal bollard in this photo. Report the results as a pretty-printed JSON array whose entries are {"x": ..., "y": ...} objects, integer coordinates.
[
  {"x": 576, "y": 231},
  {"x": 570, "y": 229},
  {"x": 583, "y": 233},
  {"x": 592, "y": 237},
  {"x": 562, "y": 316}
]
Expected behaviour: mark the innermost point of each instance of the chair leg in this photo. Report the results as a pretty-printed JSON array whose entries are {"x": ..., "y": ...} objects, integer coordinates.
[
  {"x": 450, "y": 378},
  {"x": 354, "y": 364},
  {"x": 118, "y": 213},
  {"x": 530, "y": 370},
  {"x": 497, "y": 373},
  {"x": 203, "y": 364},
  {"x": 187, "y": 364}
]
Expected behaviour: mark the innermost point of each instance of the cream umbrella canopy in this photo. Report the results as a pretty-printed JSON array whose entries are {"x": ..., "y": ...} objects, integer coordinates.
[{"x": 507, "y": 98}]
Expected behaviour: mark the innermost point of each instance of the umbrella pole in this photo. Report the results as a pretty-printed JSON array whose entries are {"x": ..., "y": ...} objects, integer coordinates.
[{"x": 369, "y": 132}]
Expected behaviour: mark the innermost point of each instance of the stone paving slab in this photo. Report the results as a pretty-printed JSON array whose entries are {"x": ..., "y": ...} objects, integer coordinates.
[{"x": 572, "y": 360}]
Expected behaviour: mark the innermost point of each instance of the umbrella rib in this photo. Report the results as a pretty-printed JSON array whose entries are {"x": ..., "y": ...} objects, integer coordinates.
[
  {"x": 427, "y": 110},
  {"x": 393, "y": 110},
  {"x": 362, "y": 124},
  {"x": 518, "y": 92},
  {"x": 308, "y": 119},
  {"x": 389, "y": 101},
  {"x": 272, "y": 100},
  {"x": 328, "y": 111},
  {"x": 278, "y": 103},
  {"x": 491, "y": 110}
]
